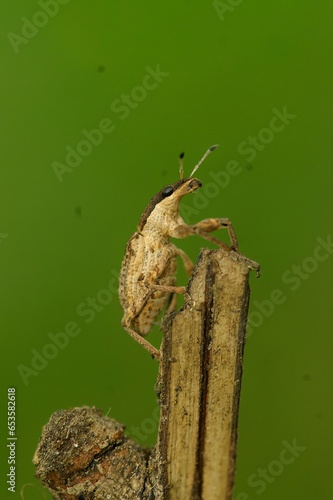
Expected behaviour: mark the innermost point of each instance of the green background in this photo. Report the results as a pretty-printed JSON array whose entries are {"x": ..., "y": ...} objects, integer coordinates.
[{"x": 62, "y": 242}]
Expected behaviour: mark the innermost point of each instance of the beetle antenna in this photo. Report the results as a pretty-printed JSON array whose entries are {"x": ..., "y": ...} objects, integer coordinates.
[
  {"x": 181, "y": 166},
  {"x": 203, "y": 158}
]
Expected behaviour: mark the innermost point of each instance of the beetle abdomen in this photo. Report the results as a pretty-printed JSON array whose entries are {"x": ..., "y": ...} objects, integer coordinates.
[
  {"x": 158, "y": 301},
  {"x": 143, "y": 267}
]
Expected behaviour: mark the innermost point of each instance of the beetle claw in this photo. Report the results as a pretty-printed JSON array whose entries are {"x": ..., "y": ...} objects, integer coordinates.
[{"x": 189, "y": 302}]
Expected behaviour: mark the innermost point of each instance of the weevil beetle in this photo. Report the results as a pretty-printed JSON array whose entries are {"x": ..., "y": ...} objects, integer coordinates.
[{"x": 147, "y": 278}]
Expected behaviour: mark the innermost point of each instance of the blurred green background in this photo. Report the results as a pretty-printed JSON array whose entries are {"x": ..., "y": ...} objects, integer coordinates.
[{"x": 222, "y": 72}]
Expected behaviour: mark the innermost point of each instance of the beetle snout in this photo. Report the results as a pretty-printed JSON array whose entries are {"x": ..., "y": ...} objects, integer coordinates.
[{"x": 195, "y": 184}]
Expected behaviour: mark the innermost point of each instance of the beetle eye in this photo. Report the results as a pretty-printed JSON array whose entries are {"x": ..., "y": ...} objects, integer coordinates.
[{"x": 167, "y": 191}]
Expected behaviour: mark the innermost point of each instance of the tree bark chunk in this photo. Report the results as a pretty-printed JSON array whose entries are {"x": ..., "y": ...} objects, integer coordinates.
[{"x": 84, "y": 455}]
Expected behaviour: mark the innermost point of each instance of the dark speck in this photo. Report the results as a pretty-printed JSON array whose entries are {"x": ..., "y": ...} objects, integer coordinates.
[
  {"x": 78, "y": 211},
  {"x": 306, "y": 377},
  {"x": 249, "y": 166},
  {"x": 100, "y": 69}
]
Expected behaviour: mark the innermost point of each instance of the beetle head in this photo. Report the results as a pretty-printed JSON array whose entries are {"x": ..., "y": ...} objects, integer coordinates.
[{"x": 169, "y": 197}]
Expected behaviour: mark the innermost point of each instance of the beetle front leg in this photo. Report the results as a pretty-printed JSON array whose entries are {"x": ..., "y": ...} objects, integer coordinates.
[
  {"x": 206, "y": 226},
  {"x": 209, "y": 225}
]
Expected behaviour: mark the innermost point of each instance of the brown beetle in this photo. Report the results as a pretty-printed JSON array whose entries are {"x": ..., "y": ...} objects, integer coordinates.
[{"x": 147, "y": 279}]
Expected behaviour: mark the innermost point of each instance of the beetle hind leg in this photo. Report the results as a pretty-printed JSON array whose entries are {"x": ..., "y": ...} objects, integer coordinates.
[{"x": 155, "y": 353}]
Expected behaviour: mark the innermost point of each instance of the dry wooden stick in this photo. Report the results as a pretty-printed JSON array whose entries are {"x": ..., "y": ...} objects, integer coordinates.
[
  {"x": 200, "y": 376},
  {"x": 199, "y": 390}
]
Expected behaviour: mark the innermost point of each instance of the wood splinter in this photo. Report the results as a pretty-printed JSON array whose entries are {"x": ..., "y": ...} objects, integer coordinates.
[{"x": 84, "y": 455}]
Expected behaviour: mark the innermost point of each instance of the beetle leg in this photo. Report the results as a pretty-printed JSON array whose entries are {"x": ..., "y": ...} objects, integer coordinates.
[
  {"x": 173, "y": 289},
  {"x": 136, "y": 336},
  {"x": 127, "y": 320},
  {"x": 188, "y": 264},
  {"x": 165, "y": 288},
  {"x": 189, "y": 302},
  {"x": 206, "y": 226},
  {"x": 209, "y": 225},
  {"x": 172, "y": 304}
]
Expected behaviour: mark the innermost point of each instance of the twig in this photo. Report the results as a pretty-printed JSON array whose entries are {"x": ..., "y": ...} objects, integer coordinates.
[{"x": 200, "y": 377}]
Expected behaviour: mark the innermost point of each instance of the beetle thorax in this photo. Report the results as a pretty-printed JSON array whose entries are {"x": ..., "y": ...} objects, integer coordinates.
[{"x": 163, "y": 219}]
